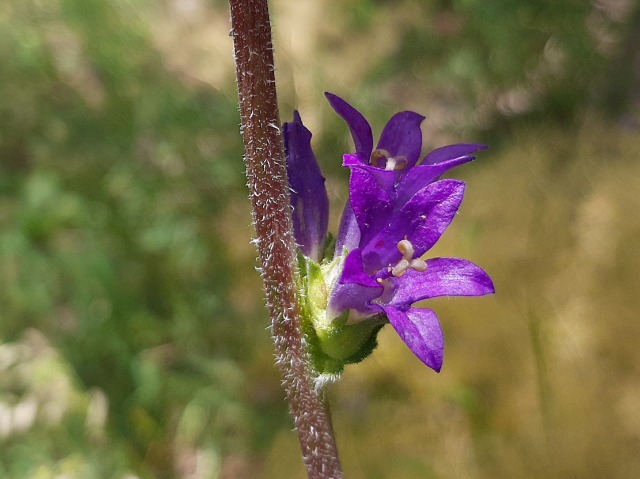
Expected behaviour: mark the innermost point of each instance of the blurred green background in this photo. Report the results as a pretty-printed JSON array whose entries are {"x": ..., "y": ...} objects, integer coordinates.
[{"x": 134, "y": 340}]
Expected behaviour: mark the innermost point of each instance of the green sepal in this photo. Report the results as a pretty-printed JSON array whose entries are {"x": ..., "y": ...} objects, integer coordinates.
[
  {"x": 333, "y": 343},
  {"x": 329, "y": 247},
  {"x": 342, "y": 341}
]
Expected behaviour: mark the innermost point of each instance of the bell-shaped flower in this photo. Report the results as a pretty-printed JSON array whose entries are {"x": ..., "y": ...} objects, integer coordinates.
[{"x": 398, "y": 209}]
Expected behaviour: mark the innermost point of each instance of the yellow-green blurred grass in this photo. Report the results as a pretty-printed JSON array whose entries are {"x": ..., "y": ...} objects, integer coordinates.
[{"x": 540, "y": 380}]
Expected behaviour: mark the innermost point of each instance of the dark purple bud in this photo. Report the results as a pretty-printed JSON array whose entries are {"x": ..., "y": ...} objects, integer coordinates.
[{"x": 309, "y": 195}]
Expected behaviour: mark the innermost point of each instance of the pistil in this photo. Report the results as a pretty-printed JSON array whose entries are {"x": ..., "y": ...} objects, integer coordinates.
[{"x": 408, "y": 261}]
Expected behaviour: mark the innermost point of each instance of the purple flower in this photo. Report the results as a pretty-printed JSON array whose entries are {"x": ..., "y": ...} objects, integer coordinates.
[{"x": 397, "y": 210}]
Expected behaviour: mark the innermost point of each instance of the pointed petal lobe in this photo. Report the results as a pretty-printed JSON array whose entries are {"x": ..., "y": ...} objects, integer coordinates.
[
  {"x": 452, "y": 152},
  {"x": 443, "y": 277},
  {"x": 420, "y": 330},
  {"x": 402, "y": 136},
  {"x": 420, "y": 176},
  {"x": 422, "y": 221},
  {"x": 358, "y": 124}
]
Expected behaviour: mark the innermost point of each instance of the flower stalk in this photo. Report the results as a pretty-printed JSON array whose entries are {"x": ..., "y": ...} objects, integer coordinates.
[{"x": 269, "y": 192}]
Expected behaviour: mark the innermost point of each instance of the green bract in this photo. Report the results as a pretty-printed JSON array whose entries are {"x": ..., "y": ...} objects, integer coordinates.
[{"x": 335, "y": 342}]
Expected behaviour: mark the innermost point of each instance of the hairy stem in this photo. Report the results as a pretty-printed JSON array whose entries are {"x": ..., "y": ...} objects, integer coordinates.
[{"x": 269, "y": 191}]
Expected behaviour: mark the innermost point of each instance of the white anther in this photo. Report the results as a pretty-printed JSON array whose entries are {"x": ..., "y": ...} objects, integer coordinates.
[
  {"x": 391, "y": 163},
  {"x": 406, "y": 248},
  {"x": 397, "y": 163},
  {"x": 399, "y": 269},
  {"x": 408, "y": 261}
]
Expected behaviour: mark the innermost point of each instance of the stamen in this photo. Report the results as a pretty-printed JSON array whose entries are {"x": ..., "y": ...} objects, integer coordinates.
[
  {"x": 401, "y": 268},
  {"x": 377, "y": 156},
  {"x": 408, "y": 261},
  {"x": 397, "y": 163},
  {"x": 406, "y": 248},
  {"x": 418, "y": 264},
  {"x": 390, "y": 163}
]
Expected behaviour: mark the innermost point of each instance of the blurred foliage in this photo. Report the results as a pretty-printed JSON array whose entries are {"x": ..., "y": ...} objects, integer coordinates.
[{"x": 135, "y": 338}]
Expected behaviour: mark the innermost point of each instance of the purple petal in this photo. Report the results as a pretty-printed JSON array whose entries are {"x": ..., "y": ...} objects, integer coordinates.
[
  {"x": 420, "y": 330},
  {"x": 420, "y": 176},
  {"x": 428, "y": 214},
  {"x": 452, "y": 152},
  {"x": 309, "y": 195},
  {"x": 359, "y": 126},
  {"x": 370, "y": 202},
  {"x": 348, "y": 232},
  {"x": 386, "y": 179},
  {"x": 355, "y": 289},
  {"x": 422, "y": 221},
  {"x": 351, "y": 159},
  {"x": 402, "y": 136},
  {"x": 353, "y": 272},
  {"x": 443, "y": 277}
]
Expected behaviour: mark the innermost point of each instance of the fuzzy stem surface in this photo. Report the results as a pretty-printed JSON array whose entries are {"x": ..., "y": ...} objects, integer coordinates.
[{"x": 269, "y": 192}]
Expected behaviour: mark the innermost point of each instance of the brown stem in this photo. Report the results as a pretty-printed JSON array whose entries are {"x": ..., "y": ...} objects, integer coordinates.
[{"x": 269, "y": 191}]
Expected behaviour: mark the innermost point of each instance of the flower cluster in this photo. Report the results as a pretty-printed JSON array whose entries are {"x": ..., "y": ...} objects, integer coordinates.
[{"x": 374, "y": 272}]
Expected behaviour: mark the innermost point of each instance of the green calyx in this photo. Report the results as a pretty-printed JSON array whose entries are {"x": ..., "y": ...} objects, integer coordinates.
[{"x": 334, "y": 342}]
